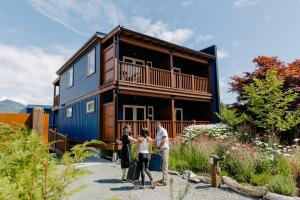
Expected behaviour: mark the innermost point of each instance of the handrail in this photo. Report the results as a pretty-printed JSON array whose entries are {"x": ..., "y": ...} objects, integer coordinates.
[
  {"x": 61, "y": 142},
  {"x": 137, "y": 125},
  {"x": 145, "y": 75}
]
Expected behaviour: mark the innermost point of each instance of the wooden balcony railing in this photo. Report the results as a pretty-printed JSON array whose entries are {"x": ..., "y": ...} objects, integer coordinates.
[
  {"x": 137, "y": 125},
  {"x": 145, "y": 75},
  {"x": 61, "y": 142},
  {"x": 56, "y": 100}
]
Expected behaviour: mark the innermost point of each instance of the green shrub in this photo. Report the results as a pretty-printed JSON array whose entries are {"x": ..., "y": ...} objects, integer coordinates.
[
  {"x": 281, "y": 166},
  {"x": 28, "y": 171},
  {"x": 264, "y": 162},
  {"x": 282, "y": 185},
  {"x": 261, "y": 179},
  {"x": 191, "y": 157},
  {"x": 241, "y": 171}
]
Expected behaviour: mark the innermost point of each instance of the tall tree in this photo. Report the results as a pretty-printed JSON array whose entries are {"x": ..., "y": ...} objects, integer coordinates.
[
  {"x": 288, "y": 72},
  {"x": 268, "y": 104}
]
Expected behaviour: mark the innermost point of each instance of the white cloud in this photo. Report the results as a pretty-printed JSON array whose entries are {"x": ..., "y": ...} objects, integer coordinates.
[
  {"x": 222, "y": 54},
  {"x": 204, "y": 38},
  {"x": 186, "y": 3},
  {"x": 245, "y": 3},
  {"x": 27, "y": 74},
  {"x": 161, "y": 30},
  {"x": 80, "y": 15}
]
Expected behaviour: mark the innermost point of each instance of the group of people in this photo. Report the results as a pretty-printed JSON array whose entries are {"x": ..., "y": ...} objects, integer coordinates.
[{"x": 144, "y": 150}]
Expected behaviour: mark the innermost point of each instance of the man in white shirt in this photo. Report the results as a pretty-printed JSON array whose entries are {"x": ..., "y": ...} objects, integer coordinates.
[{"x": 162, "y": 142}]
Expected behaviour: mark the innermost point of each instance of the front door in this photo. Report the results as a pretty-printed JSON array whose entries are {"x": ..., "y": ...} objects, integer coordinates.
[{"x": 134, "y": 112}]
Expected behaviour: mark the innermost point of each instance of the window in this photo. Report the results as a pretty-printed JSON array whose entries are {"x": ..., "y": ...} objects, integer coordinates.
[
  {"x": 71, "y": 77},
  {"x": 91, "y": 65},
  {"x": 150, "y": 113},
  {"x": 69, "y": 112},
  {"x": 149, "y": 63},
  {"x": 90, "y": 106}
]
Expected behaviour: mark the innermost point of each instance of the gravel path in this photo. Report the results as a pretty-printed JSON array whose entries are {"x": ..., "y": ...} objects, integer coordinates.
[{"x": 103, "y": 182}]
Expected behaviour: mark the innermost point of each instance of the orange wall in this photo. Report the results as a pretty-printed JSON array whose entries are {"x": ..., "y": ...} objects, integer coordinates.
[{"x": 25, "y": 119}]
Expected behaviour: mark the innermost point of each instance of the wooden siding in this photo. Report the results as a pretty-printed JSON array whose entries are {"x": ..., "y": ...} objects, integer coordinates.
[
  {"x": 83, "y": 84},
  {"x": 109, "y": 122},
  {"x": 108, "y": 62},
  {"x": 82, "y": 125}
]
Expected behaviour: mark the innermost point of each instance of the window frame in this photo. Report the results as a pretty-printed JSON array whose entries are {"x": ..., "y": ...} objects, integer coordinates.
[
  {"x": 87, "y": 106},
  {"x": 69, "y": 77},
  {"x": 71, "y": 111},
  {"x": 150, "y": 115},
  {"x": 88, "y": 63}
]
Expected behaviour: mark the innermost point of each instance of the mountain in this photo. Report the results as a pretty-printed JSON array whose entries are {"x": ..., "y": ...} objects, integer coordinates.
[{"x": 9, "y": 106}]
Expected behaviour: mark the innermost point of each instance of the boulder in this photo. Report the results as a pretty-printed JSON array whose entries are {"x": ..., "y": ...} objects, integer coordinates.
[
  {"x": 274, "y": 196},
  {"x": 173, "y": 172},
  {"x": 246, "y": 190}
]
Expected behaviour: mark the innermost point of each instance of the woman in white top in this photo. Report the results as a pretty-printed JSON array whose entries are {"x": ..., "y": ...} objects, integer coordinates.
[{"x": 144, "y": 149}]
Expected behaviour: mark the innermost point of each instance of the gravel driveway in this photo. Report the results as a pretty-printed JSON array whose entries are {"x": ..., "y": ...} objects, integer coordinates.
[{"x": 103, "y": 182}]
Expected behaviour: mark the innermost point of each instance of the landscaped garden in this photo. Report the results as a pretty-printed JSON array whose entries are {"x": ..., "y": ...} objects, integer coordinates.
[{"x": 259, "y": 134}]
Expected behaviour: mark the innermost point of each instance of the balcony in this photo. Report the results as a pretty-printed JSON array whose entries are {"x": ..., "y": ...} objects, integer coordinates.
[{"x": 150, "y": 76}]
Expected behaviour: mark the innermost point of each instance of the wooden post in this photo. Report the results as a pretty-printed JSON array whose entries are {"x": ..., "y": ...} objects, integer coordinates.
[
  {"x": 172, "y": 70},
  {"x": 38, "y": 120},
  {"x": 173, "y": 118},
  {"x": 147, "y": 74},
  {"x": 193, "y": 83}
]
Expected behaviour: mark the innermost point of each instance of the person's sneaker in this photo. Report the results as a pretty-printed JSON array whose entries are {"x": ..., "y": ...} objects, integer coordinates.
[
  {"x": 162, "y": 183},
  {"x": 124, "y": 179},
  {"x": 142, "y": 187},
  {"x": 153, "y": 184}
]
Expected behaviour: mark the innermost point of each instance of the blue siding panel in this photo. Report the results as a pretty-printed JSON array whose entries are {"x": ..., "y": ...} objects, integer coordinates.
[
  {"x": 83, "y": 84},
  {"x": 82, "y": 125},
  {"x": 215, "y": 91}
]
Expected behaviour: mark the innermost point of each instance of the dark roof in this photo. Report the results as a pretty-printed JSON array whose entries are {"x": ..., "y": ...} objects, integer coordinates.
[
  {"x": 38, "y": 106},
  {"x": 170, "y": 45},
  {"x": 162, "y": 43}
]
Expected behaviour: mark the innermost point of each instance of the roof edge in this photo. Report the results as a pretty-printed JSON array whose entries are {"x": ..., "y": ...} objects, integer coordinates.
[{"x": 77, "y": 53}]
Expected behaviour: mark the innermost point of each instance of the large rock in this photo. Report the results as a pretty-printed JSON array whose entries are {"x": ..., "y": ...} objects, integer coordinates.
[
  {"x": 274, "y": 196},
  {"x": 246, "y": 190},
  {"x": 192, "y": 177}
]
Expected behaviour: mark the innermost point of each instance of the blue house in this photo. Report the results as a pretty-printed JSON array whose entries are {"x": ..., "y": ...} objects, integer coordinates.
[
  {"x": 125, "y": 77},
  {"x": 47, "y": 109}
]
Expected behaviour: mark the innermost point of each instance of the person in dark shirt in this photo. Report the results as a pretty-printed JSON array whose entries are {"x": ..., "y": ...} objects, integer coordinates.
[{"x": 126, "y": 150}]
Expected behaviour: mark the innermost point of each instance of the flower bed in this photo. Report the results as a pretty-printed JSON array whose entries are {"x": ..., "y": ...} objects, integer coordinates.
[{"x": 273, "y": 166}]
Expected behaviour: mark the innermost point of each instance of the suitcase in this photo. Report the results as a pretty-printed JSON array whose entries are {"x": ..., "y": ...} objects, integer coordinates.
[
  {"x": 155, "y": 162},
  {"x": 133, "y": 171}
]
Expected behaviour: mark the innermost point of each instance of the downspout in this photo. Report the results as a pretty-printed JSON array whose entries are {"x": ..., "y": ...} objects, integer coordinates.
[{"x": 117, "y": 90}]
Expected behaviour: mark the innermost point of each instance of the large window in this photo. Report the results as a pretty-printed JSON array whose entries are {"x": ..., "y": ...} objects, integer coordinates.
[
  {"x": 91, "y": 64},
  {"x": 69, "y": 112},
  {"x": 71, "y": 77},
  {"x": 90, "y": 106}
]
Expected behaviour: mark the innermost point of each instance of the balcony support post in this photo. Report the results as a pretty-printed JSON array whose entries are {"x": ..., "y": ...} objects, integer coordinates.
[
  {"x": 173, "y": 118},
  {"x": 193, "y": 83},
  {"x": 172, "y": 70},
  {"x": 147, "y": 75}
]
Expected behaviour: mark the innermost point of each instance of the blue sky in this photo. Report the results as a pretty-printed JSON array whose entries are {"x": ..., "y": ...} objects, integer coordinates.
[{"x": 37, "y": 36}]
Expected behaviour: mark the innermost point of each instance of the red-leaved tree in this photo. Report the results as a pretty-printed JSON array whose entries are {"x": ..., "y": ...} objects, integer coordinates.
[{"x": 290, "y": 72}]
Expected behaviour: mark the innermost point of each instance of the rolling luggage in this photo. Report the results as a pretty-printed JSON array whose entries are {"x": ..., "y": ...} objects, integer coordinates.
[
  {"x": 155, "y": 162},
  {"x": 133, "y": 171}
]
